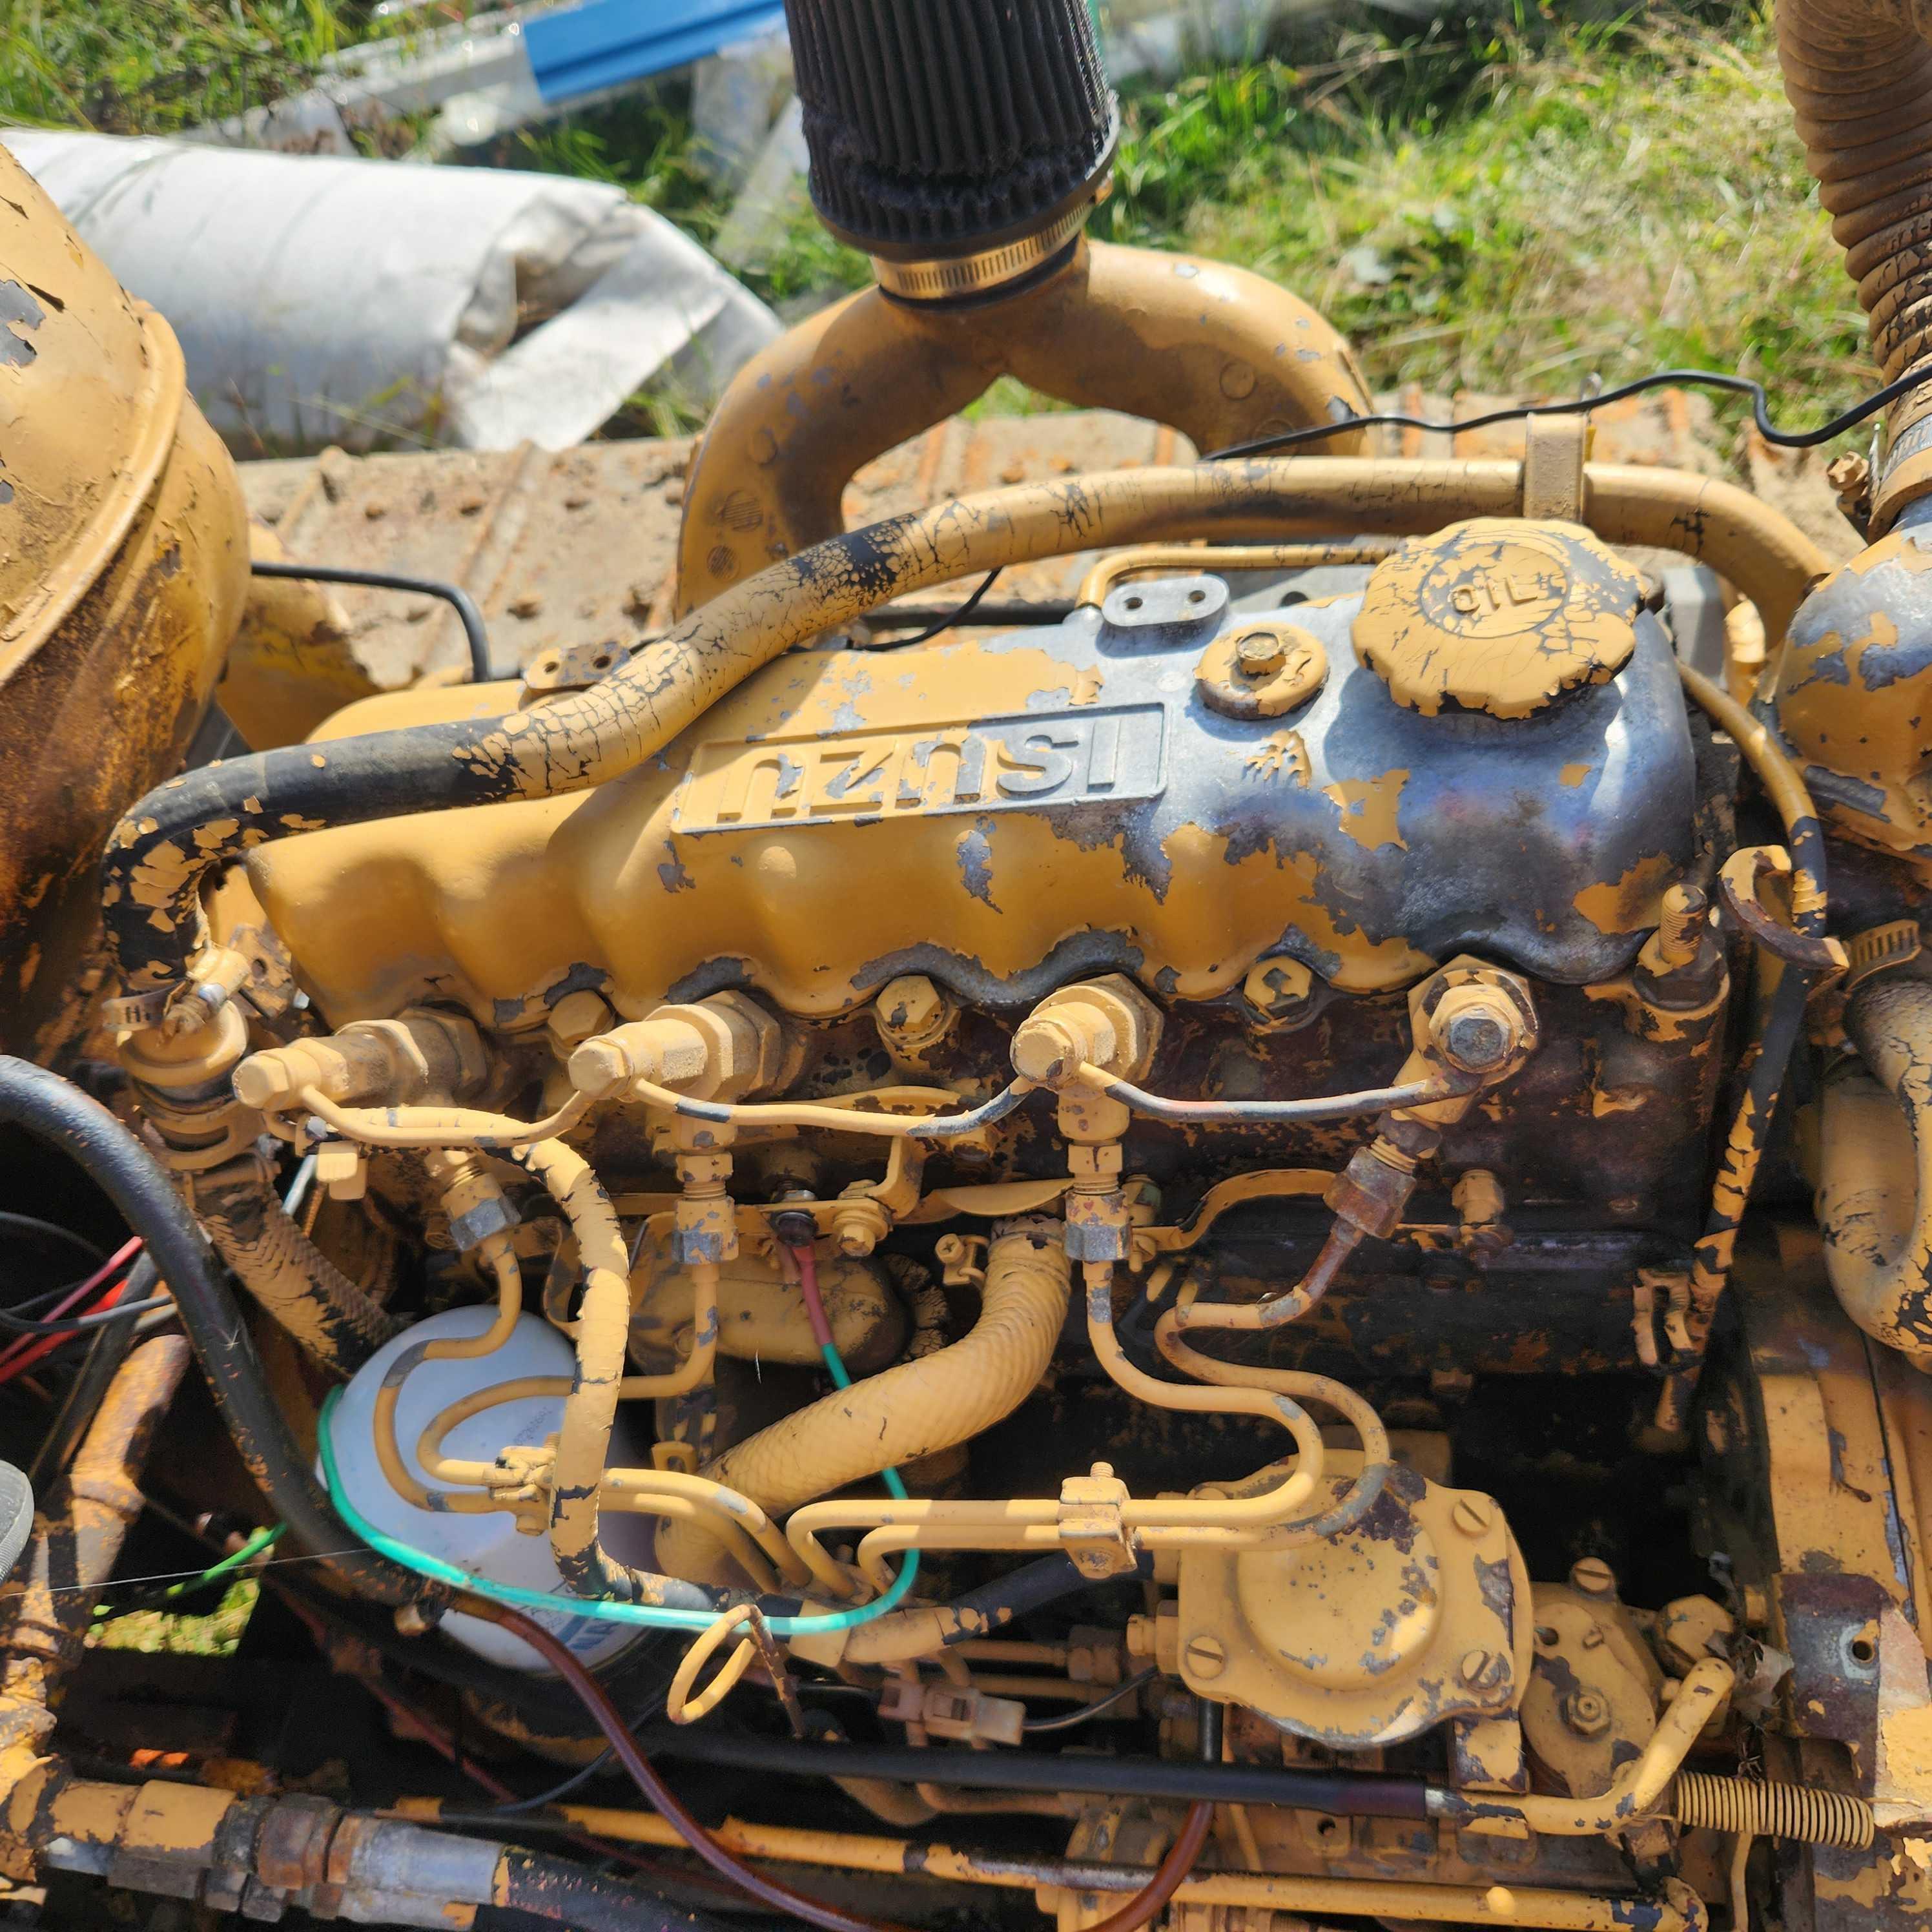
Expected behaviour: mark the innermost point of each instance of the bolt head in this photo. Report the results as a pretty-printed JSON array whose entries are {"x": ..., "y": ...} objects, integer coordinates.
[
  {"x": 1205, "y": 1655},
  {"x": 1476, "y": 1040},
  {"x": 1593, "y": 1577},
  {"x": 912, "y": 1011},
  {"x": 1260, "y": 654},
  {"x": 1276, "y": 987}
]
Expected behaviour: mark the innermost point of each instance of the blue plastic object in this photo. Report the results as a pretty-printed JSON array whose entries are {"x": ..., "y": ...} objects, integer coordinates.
[{"x": 607, "y": 43}]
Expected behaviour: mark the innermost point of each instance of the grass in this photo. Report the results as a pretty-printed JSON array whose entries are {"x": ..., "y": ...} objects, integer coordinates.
[{"x": 1512, "y": 200}]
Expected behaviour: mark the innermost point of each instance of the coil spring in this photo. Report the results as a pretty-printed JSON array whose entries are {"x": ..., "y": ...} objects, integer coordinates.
[{"x": 1772, "y": 1810}]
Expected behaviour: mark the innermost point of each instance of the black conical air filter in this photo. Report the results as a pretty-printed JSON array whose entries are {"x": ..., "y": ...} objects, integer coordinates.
[{"x": 958, "y": 142}]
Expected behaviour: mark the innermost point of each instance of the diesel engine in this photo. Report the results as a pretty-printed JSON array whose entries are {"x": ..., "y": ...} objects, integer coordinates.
[{"x": 1251, "y": 1253}]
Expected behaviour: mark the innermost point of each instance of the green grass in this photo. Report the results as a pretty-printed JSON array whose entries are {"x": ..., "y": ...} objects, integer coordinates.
[{"x": 1512, "y": 203}]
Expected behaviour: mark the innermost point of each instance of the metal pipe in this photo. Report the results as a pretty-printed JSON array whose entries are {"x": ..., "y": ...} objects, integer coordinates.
[{"x": 83, "y": 1520}]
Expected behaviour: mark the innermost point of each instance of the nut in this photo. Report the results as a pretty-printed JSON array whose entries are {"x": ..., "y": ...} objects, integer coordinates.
[
  {"x": 1586, "y": 1713},
  {"x": 1476, "y": 1029},
  {"x": 1206, "y": 1655}
]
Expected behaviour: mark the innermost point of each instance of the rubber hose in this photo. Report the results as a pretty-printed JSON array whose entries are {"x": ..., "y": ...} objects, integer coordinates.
[
  {"x": 917, "y": 1409},
  {"x": 57, "y": 1114},
  {"x": 535, "y": 1890},
  {"x": 303, "y": 1290},
  {"x": 1874, "y": 1199},
  {"x": 1859, "y": 73}
]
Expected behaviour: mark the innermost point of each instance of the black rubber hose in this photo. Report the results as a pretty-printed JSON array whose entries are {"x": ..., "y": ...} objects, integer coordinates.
[
  {"x": 1345, "y": 1794},
  {"x": 57, "y": 1114},
  {"x": 994, "y": 1605},
  {"x": 554, "y": 1891},
  {"x": 459, "y": 599}
]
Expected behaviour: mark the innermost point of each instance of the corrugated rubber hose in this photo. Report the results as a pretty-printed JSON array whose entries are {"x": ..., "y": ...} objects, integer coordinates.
[
  {"x": 299, "y": 1286},
  {"x": 915, "y": 1409},
  {"x": 1858, "y": 73}
]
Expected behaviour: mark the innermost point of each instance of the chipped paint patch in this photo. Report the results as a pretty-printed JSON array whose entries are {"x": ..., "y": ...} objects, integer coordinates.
[{"x": 1369, "y": 808}]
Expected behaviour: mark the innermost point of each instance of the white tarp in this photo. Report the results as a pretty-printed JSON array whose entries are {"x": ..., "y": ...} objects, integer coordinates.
[{"x": 320, "y": 300}]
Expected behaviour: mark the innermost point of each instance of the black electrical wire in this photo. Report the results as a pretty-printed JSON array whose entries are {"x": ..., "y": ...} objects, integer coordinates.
[
  {"x": 85, "y": 1393},
  {"x": 959, "y": 614},
  {"x": 1015, "y": 612},
  {"x": 556, "y": 1794},
  {"x": 1099, "y": 1708},
  {"x": 68, "y": 1121},
  {"x": 475, "y": 634},
  {"x": 81, "y": 1324},
  {"x": 1580, "y": 406},
  {"x": 53, "y": 1231}
]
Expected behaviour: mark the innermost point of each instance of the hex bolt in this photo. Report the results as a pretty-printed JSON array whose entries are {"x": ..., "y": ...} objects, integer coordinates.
[
  {"x": 1474, "y": 1515},
  {"x": 1591, "y": 1576},
  {"x": 1586, "y": 1713},
  {"x": 1206, "y": 1655},
  {"x": 912, "y": 1013},
  {"x": 1276, "y": 987},
  {"x": 1259, "y": 654},
  {"x": 1481, "y": 1669},
  {"x": 1476, "y": 1040}
]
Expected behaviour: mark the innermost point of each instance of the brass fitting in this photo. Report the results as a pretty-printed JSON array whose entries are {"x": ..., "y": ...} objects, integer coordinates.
[
  {"x": 421, "y": 1054},
  {"x": 1108, "y": 1023},
  {"x": 720, "y": 1049}
]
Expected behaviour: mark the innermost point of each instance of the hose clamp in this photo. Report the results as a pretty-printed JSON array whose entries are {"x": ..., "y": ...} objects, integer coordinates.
[{"x": 946, "y": 279}]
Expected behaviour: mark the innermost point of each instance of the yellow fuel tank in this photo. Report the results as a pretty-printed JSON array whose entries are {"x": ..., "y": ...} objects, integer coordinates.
[{"x": 124, "y": 564}]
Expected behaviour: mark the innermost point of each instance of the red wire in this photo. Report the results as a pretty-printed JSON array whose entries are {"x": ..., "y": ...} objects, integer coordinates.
[
  {"x": 22, "y": 1355},
  {"x": 25, "y": 1350},
  {"x": 814, "y": 1302},
  {"x": 1135, "y": 1913}
]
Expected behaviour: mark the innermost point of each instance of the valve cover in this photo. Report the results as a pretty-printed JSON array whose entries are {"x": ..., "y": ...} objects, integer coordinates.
[{"x": 1168, "y": 787}]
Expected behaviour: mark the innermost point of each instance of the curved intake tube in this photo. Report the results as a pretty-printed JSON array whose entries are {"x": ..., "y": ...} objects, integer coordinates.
[
  {"x": 1875, "y": 1168},
  {"x": 916, "y": 1409},
  {"x": 1859, "y": 73}
]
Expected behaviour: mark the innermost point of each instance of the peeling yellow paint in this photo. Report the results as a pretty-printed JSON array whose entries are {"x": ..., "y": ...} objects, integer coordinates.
[
  {"x": 1573, "y": 775},
  {"x": 1369, "y": 807},
  {"x": 1629, "y": 904}
]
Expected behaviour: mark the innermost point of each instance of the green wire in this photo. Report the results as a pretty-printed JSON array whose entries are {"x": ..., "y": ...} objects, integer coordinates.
[
  {"x": 653, "y": 1616},
  {"x": 262, "y": 1540}
]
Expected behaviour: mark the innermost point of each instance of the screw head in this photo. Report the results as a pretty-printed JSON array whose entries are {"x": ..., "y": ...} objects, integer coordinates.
[
  {"x": 1481, "y": 1669},
  {"x": 1260, "y": 654},
  {"x": 1593, "y": 1577},
  {"x": 1206, "y": 1655},
  {"x": 1474, "y": 1515}
]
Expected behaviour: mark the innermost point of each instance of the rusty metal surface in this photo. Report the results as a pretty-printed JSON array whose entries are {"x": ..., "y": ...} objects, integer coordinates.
[
  {"x": 576, "y": 550},
  {"x": 122, "y": 566}
]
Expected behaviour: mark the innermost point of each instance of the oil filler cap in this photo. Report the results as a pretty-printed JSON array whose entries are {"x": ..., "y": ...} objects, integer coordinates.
[{"x": 1498, "y": 616}]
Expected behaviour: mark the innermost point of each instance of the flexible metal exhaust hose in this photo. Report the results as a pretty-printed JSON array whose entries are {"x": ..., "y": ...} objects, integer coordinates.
[
  {"x": 57, "y": 1114},
  {"x": 152, "y": 872},
  {"x": 915, "y": 1409},
  {"x": 1858, "y": 73},
  {"x": 299, "y": 1286},
  {"x": 1874, "y": 1199}
]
